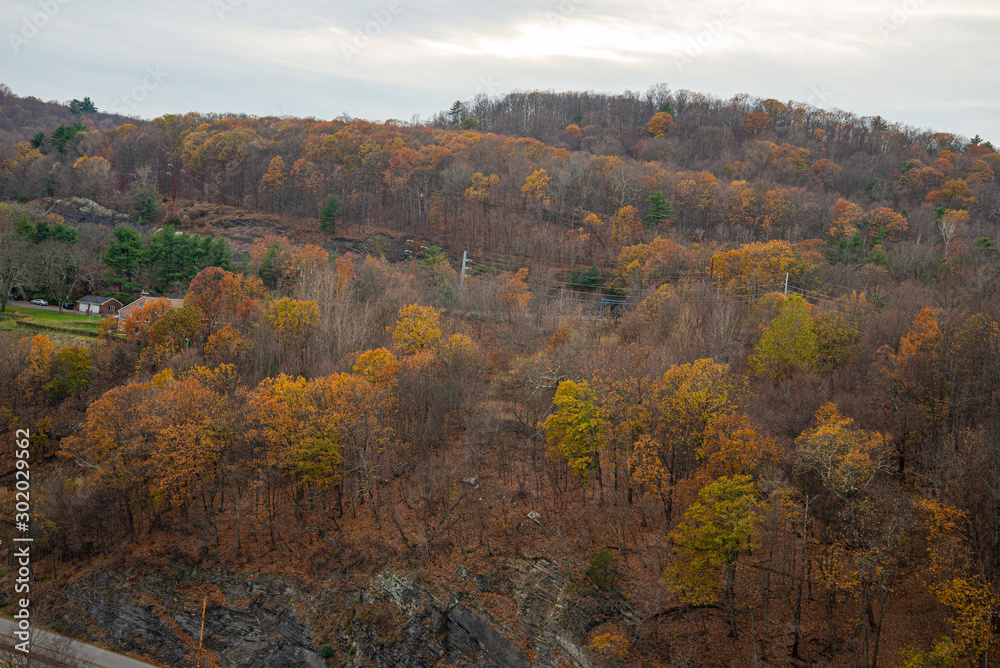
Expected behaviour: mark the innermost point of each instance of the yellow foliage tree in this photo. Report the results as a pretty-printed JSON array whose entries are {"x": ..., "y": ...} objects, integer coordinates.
[
  {"x": 576, "y": 430},
  {"x": 844, "y": 458},
  {"x": 716, "y": 529},
  {"x": 417, "y": 329},
  {"x": 626, "y": 227},
  {"x": 376, "y": 366},
  {"x": 682, "y": 404},
  {"x": 536, "y": 185},
  {"x": 953, "y": 582}
]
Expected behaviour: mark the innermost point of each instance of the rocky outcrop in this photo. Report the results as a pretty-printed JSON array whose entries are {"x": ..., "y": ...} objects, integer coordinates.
[
  {"x": 259, "y": 626},
  {"x": 394, "y": 622},
  {"x": 77, "y": 210},
  {"x": 551, "y": 621},
  {"x": 433, "y": 632}
]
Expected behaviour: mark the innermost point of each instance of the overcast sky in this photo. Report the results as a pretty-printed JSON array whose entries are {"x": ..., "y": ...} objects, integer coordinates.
[{"x": 927, "y": 63}]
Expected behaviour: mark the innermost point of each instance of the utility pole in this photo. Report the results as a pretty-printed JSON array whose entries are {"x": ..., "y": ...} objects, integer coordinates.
[
  {"x": 786, "y": 282},
  {"x": 465, "y": 259},
  {"x": 173, "y": 201},
  {"x": 204, "y": 606}
]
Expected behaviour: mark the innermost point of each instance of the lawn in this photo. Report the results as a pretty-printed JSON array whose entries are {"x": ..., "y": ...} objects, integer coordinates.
[{"x": 20, "y": 317}]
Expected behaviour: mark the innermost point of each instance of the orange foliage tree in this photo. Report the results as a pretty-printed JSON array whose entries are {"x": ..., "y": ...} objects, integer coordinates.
[
  {"x": 660, "y": 124},
  {"x": 758, "y": 268}
]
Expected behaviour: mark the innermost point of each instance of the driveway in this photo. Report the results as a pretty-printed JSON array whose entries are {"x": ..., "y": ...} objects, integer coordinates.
[
  {"x": 52, "y": 649},
  {"x": 26, "y": 304}
]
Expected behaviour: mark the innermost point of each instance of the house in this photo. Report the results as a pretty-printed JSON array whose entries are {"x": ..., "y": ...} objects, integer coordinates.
[
  {"x": 94, "y": 305},
  {"x": 143, "y": 299}
]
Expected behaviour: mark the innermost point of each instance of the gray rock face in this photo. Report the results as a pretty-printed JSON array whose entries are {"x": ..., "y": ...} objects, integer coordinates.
[
  {"x": 394, "y": 622},
  {"x": 267, "y": 632},
  {"x": 460, "y": 634},
  {"x": 433, "y": 631},
  {"x": 78, "y": 210}
]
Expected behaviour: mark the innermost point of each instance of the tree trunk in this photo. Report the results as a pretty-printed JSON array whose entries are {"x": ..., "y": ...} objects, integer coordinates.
[{"x": 731, "y": 597}]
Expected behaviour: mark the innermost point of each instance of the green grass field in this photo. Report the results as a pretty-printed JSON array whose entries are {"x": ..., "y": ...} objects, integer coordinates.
[{"x": 20, "y": 317}]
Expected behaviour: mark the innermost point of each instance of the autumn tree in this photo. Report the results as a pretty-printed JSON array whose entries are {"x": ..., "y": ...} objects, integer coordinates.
[
  {"x": 575, "y": 431},
  {"x": 173, "y": 331},
  {"x": 625, "y": 227},
  {"x": 206, "y": 294},
  {"x": 647, "y": 265},
  {"x": 788, "y": 344},
  {"x": 758, "y": 268},
  {"x": 362, "y": 409},
  {"x": 715, "y": 530},
  {"x": 294, "y": 322},
  {"x": 882, "y": 223},
  {"x": 733, "y": 445},
  {"x": 872, "y": 533},
  {"x": 376, "y": 366},
  {"x": 516, "y": 296},
  {"x": 951, "y": 224},
  {"x": 482, "y": 190},
  {"x": 842, "y": 457},
  {"x": 38, "y": 354},
  {"x": 72, "y": 371},
  {"x": 273, "y": 182},
  {"x": 660, "y": 124},
  {"x": 682, "y": 404},
  {"x": 138, "y": 324},
  {"x": 154, "y": 443},
  {"x": 836, "y": 340},
  {"x": 418, "y": 328},
  {"x": 916, "y": 390},
  {"x": 189, "y": 427},
  {"x": 300, "y": 438},
  {"x": 951, "y": 579},
  {"x": 227, "y": 345},
  {"x": 536, "y": 188},
  {"x": 757, "y": 122},
  {"x": 844, "y": 219}
]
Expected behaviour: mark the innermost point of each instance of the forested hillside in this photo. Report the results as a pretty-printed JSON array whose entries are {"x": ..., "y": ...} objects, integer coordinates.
[{"x": 718, "y": 381}]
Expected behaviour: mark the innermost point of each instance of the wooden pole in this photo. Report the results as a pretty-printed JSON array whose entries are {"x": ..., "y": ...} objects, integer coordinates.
[
  {"x": 173, "y": 200},
  {"x": 201, "y": 637}
]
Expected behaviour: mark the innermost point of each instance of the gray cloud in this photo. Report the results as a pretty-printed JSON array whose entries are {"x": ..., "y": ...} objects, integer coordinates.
[{"x": 922, "y": 62}]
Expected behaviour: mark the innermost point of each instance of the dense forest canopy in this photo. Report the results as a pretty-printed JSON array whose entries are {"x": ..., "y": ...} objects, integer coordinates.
[{"x": 734, "y": 364}]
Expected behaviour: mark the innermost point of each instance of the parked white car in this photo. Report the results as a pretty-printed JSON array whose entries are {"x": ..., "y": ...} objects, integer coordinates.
[{"x": 39, "y": 302}]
